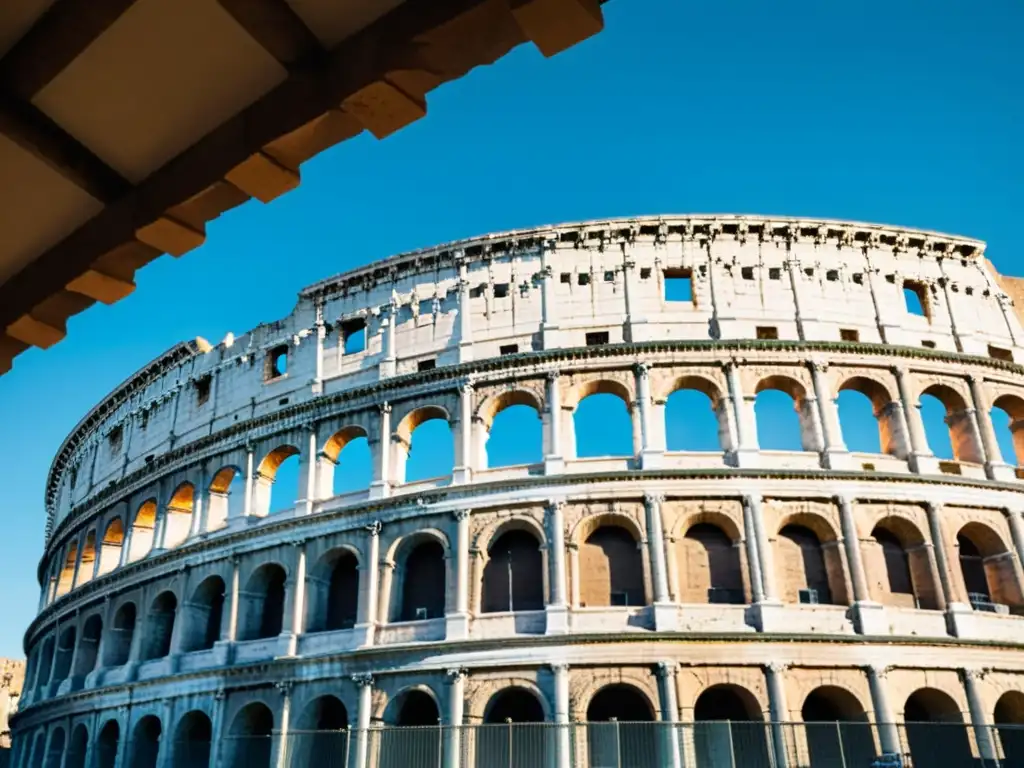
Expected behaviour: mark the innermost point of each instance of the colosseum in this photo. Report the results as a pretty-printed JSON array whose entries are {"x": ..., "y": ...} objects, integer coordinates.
[{"x": 724, "y": 603}]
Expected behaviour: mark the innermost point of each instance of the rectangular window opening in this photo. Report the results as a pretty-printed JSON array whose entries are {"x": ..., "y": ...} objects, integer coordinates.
[
  {"x": 849, "y": 334},
  {"x": 276, "y": 364},
  {"x": 353, "y": 336},
  {"x": 500, "y": 290},
  {"x": 927, "y": 344},
  {"x": 203, "y": 387},
  {"x": 609, "y": 277},
  {"x": 583, "y": 278},
  {"x": 809, "y": 271},
  {"x": 678, "y": 285},
  {"x": 858, "y": 278},
  {"x": 999, "y": 353},
  {"x": 597, "y": 338},
  {"x": 832, "y": 275},
  {"x": 114, "y": 438},
  {"x": 426, "y": 365},
  {"x": 566, "y": 277},
  {"x": 645, "y": 273},
  {"x": 915, "y": 296},
  {"x": 949, "y": 468},
  {"x": 767, "y": 332},
  {"x": 509, "y": 349},
  {"x": 774, "y": 273},
  {"x": 619, "y": 599},
  {"x": 747, "y": 273}
]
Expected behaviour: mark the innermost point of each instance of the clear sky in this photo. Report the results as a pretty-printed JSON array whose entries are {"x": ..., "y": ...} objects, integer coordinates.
[{"x": 903, "y": 113}]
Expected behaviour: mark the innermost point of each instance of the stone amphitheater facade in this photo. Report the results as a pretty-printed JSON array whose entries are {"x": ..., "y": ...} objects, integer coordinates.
[{"x": 738, "y": 583}]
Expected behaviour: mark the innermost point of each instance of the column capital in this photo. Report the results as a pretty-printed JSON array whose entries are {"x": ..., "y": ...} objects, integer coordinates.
[
  {"x": 880, "y": 671},
  {"x": 220, "y": 694},
  {"x": 461, "y": 514},
  {"x": 776, "y": 667},
  {"x": 842, "y": 500},
  {"x": 975, "y": 673},
  {"x": 552, "y": 376},
  {"x": 285, "y": 687},
  {"x": 555, "y": 505},
  {"x": 384, "y": 408},
  {"x": 466, "y": 387},
  {"x": 363, "y": 679},
  {"x": 666, "y": 668},
  {"x": 642, "y": 369},
  {"x": 559, "y": 667},
  {"x": 817, "y": 366},
  {"x": 309, "y": 425},
  {"x": 373, "y": 528},
  {"x": 456, "y": 674},
  {"x": 652, "y": 499}
]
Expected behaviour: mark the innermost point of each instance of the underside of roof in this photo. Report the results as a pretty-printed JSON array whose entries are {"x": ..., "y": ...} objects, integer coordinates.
[{"x": 126, "y": 125}]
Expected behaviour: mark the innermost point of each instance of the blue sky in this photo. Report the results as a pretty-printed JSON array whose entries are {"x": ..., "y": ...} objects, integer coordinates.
[{"x": 905, "y": 113}]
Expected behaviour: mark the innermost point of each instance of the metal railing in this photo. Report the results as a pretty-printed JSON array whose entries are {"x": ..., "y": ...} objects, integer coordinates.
[{"x": 717, "y": 744}]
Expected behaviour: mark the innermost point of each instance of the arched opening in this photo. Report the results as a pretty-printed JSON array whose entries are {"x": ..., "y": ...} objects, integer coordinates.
[
  {"x": 119, "y": 639},
  {"x": 277, "y": 481},
  {"x": 801, "y": 562},
  {"x": 514, "y": 574},
  {"x": 418, "y": 744},
  {"x": 45, "y": 664},
  {"x": 251, "y": 736},
  {"x": 204, "y": 614},
  {"x": 862, "y": 429},
  {"x": 55, "y": 750},
  {"x": 691, "y": 422},
  {"x": 431, "y": 450},
  {"x": 65, "y": 652},
  {"x": 1009, "y": 722},
  {"x": 264, "y": 603},
  {"x": 898, "y": 580},
  {"x": 514, "y": 737},
  {"x": 87, "y": 562},
  {"x": 192, "y": 740},
  {"x": 628, "y": 741},
  {"x": 179, "y": 515},
  {"x": 145, "y": 744},
  {"x": 160, "y": 626},
  {"x": 333, "y": 592},
  {"x": 66, "y": 580},
  {"x": 837, "y": 728},
  {"x": 77, "y": 748},
  {"x": 729, "y": 726},
  {"x": 110, "y": 547},
  {"x": 88, "y": 645},
  {"x": 602, "y": 426},
  {"x": 107, "y": 745},
  {"x": 319, "y": 737},
  {"x": 988, "y": 568},
  {"x": 611, "y": 569},
  {"x": 949, "y": 425},
  {"x": 783, "y": 415},
  {"x": 226, "y": 497},
  {"x": 710, "y": 567},
  {"x": 142, "y": 531},
  {"x": 514, "y": 436},
  {"x": 1007, "y": 417},
  {"x": 932, "y": 718},
  {"x": 345, "y": 463},
  {"x": 898, "y": 564},
  {"x": 423, "y": 582},
  {"x": 38, "y": 755}
]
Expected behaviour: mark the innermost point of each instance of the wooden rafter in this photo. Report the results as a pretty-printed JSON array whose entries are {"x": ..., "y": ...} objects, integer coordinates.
[{"x": 277, "y": 28}]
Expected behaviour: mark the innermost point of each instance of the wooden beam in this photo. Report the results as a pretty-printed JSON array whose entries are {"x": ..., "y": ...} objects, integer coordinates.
[
  {"x": 37, "y": 134},
  {"x": 277, "y": 28},
  {"x": 57, "y": 38}
]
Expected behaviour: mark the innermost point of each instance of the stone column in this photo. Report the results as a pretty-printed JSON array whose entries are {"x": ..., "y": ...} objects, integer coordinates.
[
  {"x": 554, "y": 462},
  {"x": 868, "y": 614},
  {"x": 746, "y": 428},
  {"x": 574, "y": 573},
  {"x": 995, "y": 467},
  {"x": 320, "y": 329},
  {"x": 921, "y": 458},
  {"x": 389, "y": 328},
  {"x": 298, "y": 600},
  {"x": 456, "y": 702},
  {"x": 979, "y": 719},
  {"x": 1013, "y": 516},
  {"x": 753, "y": 505},
  {"x": 381, "y": 485},
  {"x": 557, "y": 610},
  {"x": 280, "y": 739},
  {"x": 366, "y": 621},
  {"x": 549, "y": 307},
  {"x": 250, "y": 477},
  {"x": 311, "y": 469},
  {"x": 665, "y": 612},
  {"x": 563, "y": 744},
  {"x": 233, "y": 603},
  {"x": 666, "y": 671},
  {"x": 650, "y": 454},
  {"x": 457, "y": 624},
  {"x": 199, "y": 505},
  {"x": 365, "y": 684},
  {"x": 463, "y": 470},
  {"x": 778, "y": 709},
  {"x": 950, "y": 594},
  {"x": 835, "y": 455},
  {"x": 811, "y": 435},
  {"x": 793, "y": 268},
  {"x": 753, "y": 558},
  {"x": 885, "y": 720},
  {"x": 465, "y": 315}
]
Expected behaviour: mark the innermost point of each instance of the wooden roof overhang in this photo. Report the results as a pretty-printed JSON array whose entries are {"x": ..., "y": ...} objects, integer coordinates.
[{"x": 126, "y": 125}]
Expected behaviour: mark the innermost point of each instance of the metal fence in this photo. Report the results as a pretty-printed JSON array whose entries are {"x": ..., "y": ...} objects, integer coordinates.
[{"x": 721, "y": 744}]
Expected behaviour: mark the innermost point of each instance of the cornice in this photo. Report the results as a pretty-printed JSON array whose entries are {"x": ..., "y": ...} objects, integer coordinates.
[{"x": 415, "y": 383}]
